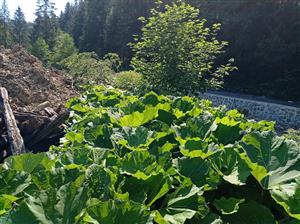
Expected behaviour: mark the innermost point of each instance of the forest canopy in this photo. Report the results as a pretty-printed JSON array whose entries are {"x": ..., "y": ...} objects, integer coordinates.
[{"x": 263, "y": 36}]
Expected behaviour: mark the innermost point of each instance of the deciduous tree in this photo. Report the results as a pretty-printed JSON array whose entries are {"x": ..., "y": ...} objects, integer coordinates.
[{"x": 177, "y": 52}]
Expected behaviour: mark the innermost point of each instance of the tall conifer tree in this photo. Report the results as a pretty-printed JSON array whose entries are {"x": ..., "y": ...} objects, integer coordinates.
[
  {"x": 5, "y": 34},
  {"x": 45, "y": 25},
  {"x": 20, "y": 28},
  {"x": 93, "y": 27}
]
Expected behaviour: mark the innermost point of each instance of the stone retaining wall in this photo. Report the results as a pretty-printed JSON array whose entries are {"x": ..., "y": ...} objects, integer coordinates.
[{"x": 285, "y": 116}]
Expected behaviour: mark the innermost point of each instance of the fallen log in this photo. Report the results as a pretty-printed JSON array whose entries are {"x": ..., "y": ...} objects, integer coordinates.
[
  {"x": 23, "y": 116},
  {"x": 15, "y": 140},
  {"x": 46, "y": 131}
]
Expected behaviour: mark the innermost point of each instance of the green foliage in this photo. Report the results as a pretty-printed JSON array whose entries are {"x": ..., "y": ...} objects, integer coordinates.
[
  {"x": 119, "y": 31},
  {"x": 130, "y": 81},
  {"x": 177, "y": 52},
  {"x": 93, "y": 23},
  {"x": 40, "y": 49},
  {"x": 266, "y": 57},
  {"x": 87, "y": 68},
  {"x": 154, "y": 159},
  {"x": 293, "y": 134},
  {"x": 45, "y": 24},
  {"x": 63, "y": 48},
  {"x": 115, "y": 61},
  {"x": 5, "y": 28},
  {"x": 263, "y": 37},
  {"x": 20, "y": 29}
]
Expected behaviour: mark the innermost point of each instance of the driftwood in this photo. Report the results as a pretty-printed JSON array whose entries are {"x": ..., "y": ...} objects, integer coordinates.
[{"x": 15, "y": 140}]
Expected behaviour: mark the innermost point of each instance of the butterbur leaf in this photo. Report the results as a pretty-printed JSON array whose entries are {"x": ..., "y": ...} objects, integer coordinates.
[
  {"x": 137, "y": 119},
  {"x": 228, "y": 205},
  {"x": 273, "y": 160},
  {"x": 54, "y": 178},
  {"x": 196, "y": 169},
  {"x": 183, "y": 103},
  {"x": 75, "y": 137},
  {"x": 109, "y": 212},
  {"x": 198, "y": 148},
  {"x": 28, "y": 162},
  {"x": 197, "y": 127},
  {"x": 250, "y": 213},
  {"x": 211, "y": 218},
  {"x": 228, "y": 130},
  {"x": 53, "y": 206},
  {"x": 146, "y": 188},
  {"x": 288, "y": 196},
  {"x": 233, "y": 169},
  {"x": 133, "y": 137},
  {"x": 99, "y": 136},
  {"x": 13, "y": 182},
  {"x": 166, "y": 117},
  {"x": 6, "y": 203},
  {"x": 182, "y": 205},
  {"x": 139, "y": 161},
  {"x": 100, "y": 181},
  {"x": 151, "y": 99}
]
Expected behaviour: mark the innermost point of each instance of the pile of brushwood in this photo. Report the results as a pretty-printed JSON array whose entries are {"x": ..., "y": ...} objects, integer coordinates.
[
  {"x": 31, "y": 102},
  {"x": 155, "y": 159}
]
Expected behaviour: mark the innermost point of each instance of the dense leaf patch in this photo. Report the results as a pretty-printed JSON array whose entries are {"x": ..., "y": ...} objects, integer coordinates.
[{"x": 155, "y": 159}]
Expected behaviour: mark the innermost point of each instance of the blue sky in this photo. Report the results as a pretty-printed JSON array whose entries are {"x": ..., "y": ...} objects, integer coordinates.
[{"x": 29, "y": 6}]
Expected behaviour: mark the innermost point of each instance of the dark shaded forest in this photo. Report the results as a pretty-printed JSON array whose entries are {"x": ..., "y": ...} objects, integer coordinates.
[{"x": 263, "y": 36}]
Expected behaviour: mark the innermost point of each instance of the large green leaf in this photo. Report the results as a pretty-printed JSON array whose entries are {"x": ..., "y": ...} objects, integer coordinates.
[
  {"x": 233, "y": 169},
  {"x": 147, "y": 189},
  {"x": 197, "y": 127},
  {"x": 273, "y": 160},
  {"x": 288, "y": 196},
  {"x": 137, "y": 119},
  {"x": 6, "y": 203},
  {"x": 196, "y": 169},
  {"x": 250, "y": 213},
  {"x": 29, "y": 162},
  {"x": 141, "y": 161},
  {"x": 133, "y": 137},
  {"x": 182, "y": 205},
  {"x": 196, "y": 147},
  {"x": 54, "y": 178},
  {"x": 211, "y": 218},
  {"x": 100, "y": 181},
  {"x": 228, "y": 130},
  {"x": 13, "y": 182},
  {"x": 113, "y": 212},
  {"x": 228, "y": 205},
  {"x": 53, "y": 206}
]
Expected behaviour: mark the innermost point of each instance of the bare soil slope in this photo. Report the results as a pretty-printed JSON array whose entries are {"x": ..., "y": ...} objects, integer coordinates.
[{"x": 29, "y": 83}]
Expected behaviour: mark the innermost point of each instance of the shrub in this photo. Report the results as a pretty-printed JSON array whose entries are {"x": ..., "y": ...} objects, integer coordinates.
[
  {"x": 129, "y": 80},
  {"x": 40, "y": 49},
  {"x": 86, "y": 68},
  {"x": 64, "y": 47}
]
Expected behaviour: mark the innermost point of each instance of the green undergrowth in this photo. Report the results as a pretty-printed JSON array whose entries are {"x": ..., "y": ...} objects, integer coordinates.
[{"x": 155, "y": 159}]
